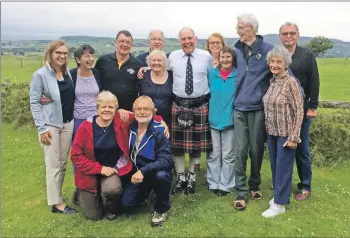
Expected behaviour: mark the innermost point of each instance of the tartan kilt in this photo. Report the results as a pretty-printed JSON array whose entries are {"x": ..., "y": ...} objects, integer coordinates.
[{"x": 196, "y": 138}]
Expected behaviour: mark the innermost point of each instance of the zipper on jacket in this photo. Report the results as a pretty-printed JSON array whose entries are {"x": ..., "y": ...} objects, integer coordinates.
[{"x": 137, "y": 151}]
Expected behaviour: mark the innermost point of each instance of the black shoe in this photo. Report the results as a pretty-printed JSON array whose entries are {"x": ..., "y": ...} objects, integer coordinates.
[
  {"x": 75, "y": 197},
  {"x": 213, "y": 190},
  {"x": 191, "y": 187},
  {"x": 67, "y": 210},
  {"x": 179, "y": 186},
  {"x": 220, "y": 193}
]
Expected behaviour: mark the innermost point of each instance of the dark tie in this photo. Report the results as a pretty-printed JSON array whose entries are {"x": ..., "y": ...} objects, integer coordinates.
[{"x": 189, "y": 77}]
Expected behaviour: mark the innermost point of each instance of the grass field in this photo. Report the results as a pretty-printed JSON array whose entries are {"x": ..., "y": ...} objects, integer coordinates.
[
  {"x": 25, "y": 211},
  {"x": 334, "y": 74}
]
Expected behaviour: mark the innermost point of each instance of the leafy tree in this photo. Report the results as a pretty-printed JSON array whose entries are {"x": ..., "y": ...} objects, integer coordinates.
[
  {"x": 72, "y": 49},
  {"x": 319, "y": 45}
]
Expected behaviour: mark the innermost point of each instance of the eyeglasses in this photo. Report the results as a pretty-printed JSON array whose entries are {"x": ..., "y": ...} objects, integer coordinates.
[
  {"x": 146, "y": 109},
  {"x": 240, "y": 28},
  {"x": 123, "y": 42},
  {"x": 156, "y": 39},
  {"x": 215, "y": 43},
  {"x": 292, "y": 33},
  {"x": 61, "y": 53}
]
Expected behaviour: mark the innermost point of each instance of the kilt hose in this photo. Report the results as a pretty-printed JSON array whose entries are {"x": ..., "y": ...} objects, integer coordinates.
[{"x": 194, "y": 139}]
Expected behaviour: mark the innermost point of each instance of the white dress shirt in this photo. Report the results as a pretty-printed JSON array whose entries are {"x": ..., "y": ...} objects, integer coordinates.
[{"x": 202, "y": 63}]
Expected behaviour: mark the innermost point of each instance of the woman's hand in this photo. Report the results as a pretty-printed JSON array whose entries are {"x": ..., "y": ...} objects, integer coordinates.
[
  {"x": 108, "y": 171},
  {"x": 141, "y": 72},
  {"x": 166, "y": 129},
  {"x": 45, "y": 138},
  {"x": 290, "y": 144}
]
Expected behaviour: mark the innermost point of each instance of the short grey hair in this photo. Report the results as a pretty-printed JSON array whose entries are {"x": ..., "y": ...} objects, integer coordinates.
[
  {"x": 156, "y": 52},
  {"x": 150, "y": 34},
  {"x": 289, "y": 24},
  {"x": 250, "y": 19},
  {"x": 280, "y": 51}
]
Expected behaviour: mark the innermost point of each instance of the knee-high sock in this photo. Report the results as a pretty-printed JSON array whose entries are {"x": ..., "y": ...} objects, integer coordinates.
[
  {"x": 179, "y": 162},
  {"x": 194, "y": 168}
]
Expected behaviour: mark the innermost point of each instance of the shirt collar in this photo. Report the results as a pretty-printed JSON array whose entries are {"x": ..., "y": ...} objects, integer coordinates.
[{"x": 193, "y": 54}]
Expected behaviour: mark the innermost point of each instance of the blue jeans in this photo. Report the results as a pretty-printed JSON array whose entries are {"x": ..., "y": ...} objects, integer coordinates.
[
  {"x": 303, "y": 157},
  {"x": 134, "y": 194},
  {"x": 281, "y": 161}
]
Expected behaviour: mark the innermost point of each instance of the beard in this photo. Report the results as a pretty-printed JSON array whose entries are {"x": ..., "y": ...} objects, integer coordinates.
[{"x": 143, "y": 119}]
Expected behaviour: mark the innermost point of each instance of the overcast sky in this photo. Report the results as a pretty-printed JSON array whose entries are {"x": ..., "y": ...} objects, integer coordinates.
[{"x": 49, "y": 20}]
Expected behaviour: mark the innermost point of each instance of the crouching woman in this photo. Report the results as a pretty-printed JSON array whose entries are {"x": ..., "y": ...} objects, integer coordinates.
[{"x": 100, "y": 154}]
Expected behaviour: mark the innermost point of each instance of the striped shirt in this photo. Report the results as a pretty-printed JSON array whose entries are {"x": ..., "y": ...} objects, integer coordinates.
[{"x": 283, "y": 106}]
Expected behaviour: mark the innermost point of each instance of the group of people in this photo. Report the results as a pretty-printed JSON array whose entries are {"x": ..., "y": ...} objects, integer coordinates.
[{"x": 129, "y": 121}]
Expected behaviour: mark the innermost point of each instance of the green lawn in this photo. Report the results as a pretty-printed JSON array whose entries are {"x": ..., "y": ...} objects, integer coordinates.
[
  {"x": 25, "y": 211},
  {"x": 334, "y": 79},
  {"x": 334, "y": 74}
]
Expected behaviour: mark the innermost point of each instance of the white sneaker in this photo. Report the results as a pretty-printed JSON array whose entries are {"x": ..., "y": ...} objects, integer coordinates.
[
  {"x": 158, "y": 218},
  {"x": 272, "y": 201},
  {"x": 273, "y": 211}
]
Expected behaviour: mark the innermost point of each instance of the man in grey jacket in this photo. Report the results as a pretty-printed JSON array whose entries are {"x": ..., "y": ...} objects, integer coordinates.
[{"x": 253, "y": 76}]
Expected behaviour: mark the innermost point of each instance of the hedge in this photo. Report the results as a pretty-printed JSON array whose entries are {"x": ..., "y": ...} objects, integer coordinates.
[{"x": 329, "y": 135}]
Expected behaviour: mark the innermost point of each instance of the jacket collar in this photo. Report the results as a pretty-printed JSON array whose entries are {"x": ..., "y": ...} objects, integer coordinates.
[
  {"x": 258, "y": 44},
  {"x": 131, "y": 57},
  {"x": 48, "y": 66},
  {"x": 149, "y": 131},
  {"x": 282, "y": 76}
]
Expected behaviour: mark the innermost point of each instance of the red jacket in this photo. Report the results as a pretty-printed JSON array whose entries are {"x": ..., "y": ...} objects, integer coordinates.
[{"x": 83, "y": 157}]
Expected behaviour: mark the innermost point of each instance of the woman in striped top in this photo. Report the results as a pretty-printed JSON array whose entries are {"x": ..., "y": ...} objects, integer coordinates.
[{"x": 283, "y": 106}]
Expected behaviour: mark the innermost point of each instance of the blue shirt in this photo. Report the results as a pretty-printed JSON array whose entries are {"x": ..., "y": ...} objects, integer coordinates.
[
  {"x": 222, "y": 93},
  {"x": 161, "y": 94}
]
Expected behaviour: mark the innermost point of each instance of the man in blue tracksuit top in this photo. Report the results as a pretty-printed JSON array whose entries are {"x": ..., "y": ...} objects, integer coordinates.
[
  {"x": 253, "y": 76},
  {"x": 150, "y": 152}
]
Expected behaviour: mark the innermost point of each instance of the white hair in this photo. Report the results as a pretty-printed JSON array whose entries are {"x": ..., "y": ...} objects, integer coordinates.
[
  {"x": 150, "y": 34},
  {"x": 280, "y": 51},
  {"x": 249, "y": 19},
  {"x": 156, "y": 52}
]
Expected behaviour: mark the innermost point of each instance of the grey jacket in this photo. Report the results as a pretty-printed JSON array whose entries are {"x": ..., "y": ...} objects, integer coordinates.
[{"x": 44, "y": 82}]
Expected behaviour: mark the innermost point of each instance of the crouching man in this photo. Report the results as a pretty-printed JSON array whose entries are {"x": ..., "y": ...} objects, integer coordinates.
[{"x": 151, "y": 154}]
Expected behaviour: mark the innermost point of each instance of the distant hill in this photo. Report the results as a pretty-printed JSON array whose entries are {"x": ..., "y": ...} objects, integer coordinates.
[
  {"x": 341, "y": 48},
  {"x": 103, "y": 45},
  {"x": 86, "y": 39}
]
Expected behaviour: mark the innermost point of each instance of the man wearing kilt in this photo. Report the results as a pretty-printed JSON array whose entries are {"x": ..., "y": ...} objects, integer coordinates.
[{"x": 190, "y": 127}]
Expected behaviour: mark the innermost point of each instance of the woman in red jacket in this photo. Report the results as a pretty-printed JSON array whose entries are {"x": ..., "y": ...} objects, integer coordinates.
[{"x": 100, "y": 154}]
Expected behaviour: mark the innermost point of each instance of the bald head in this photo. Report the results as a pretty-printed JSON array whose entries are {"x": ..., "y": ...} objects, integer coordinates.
[
  {"x": 186, "y": 30},
  {"x": 188, "y": 40}
]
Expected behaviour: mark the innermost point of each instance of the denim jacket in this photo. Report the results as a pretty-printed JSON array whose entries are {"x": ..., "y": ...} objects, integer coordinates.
[{"x": 44, "y": 82}]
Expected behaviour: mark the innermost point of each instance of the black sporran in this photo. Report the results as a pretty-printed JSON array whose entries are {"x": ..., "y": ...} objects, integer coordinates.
[{"x": 185, "y": 118}]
